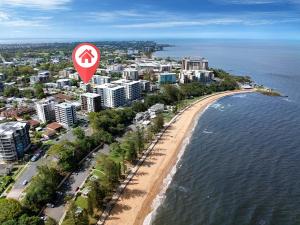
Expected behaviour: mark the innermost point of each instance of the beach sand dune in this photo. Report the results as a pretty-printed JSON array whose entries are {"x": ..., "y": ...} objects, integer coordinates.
[{"x": 136, "y": 201}]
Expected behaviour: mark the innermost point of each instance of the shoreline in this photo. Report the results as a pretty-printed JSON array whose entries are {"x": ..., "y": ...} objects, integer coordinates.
[{"x": 136, "y": 202}]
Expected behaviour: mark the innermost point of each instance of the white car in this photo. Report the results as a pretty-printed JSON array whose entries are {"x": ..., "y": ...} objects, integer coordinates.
[{"x": 25, "y": 182}]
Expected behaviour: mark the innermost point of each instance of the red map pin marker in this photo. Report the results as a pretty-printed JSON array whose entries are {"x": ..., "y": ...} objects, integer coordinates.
[{"x": 86, "y": 59}]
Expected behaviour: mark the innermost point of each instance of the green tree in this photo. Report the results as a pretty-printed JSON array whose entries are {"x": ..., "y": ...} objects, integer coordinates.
[
  {"x": 74, "y": 217},
  {"x": 39, "y": 92},
  {"x": 129, "y": 146},
  {"x": 172, "y": 93},
  {"x": 158, "y": 123},
  {"x": 110, "y": 171},
  {"x": 95, "y": 196},
  {"x": 11, "y": 92},
  {"x": 79, "y": 133},
  {"x": 66, "y": 152},
  {"x": 139, "y": 107},
  {"x": 42, "y": 188},
  {"x": 10, "y": 209},
  {"x": 27, "y": 117},
  {"x": 139, "y": 139},
  {"x": 29, "y": 220},
  {"x": 118, "y": 154},
  {"x": 50, "y": 221}
]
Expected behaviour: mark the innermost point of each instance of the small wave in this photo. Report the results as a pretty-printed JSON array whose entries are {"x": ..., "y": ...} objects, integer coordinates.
[
  {"x": 287, "y": 99},
  {"x": 183, "y": 189},
  {"x": 218, "y": 106},
  {"x": 239, "y": 96},
  {"x": 159, "y": 199},
  {"x": 207, "y": 132}
]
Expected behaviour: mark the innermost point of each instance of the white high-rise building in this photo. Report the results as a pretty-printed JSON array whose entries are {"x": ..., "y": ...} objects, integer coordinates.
[
  {"x": 132, "y": 89},
  {"x": 45, "y": 111},
  {"x": 14, "y": 140},
  {"x": 97, "y": 79},
  {"x": 65, "y": 114},
  {"x": 112, "y": 95},
  {"x": 130, "y": 74}
]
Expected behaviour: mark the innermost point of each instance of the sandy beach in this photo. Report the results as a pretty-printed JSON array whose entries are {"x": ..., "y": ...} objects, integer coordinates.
[{"x": 136, "y": 201}]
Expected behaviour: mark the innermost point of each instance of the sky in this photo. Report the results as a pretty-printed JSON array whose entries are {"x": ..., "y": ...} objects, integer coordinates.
[{"x": 150, "y": 19}]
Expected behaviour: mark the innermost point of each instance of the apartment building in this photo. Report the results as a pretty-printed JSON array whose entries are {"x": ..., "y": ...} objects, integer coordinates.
[
  {"x": 45, "y": 111},
  {"x": 145, "y": 85},
  {"x": 14, "y": 140},
  {"x": 91, "y": 102},
  {"x": 132, "y": 89},
  {"x": 65, "y": 114},
  {"x": 130, "y": 74},
  {"x": 97, "y": 79},
  {"x": 112, "y": 95},
  {"x": 194, "y": 64}
]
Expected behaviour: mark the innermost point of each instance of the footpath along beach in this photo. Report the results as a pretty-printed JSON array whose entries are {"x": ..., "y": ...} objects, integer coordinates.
[{"x": 135, "y": 203}]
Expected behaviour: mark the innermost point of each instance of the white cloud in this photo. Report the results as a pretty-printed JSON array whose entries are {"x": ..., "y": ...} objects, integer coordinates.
[
  {"x": 8, "y": 20},
  {"x": 110, "y": 16},
  {"x": 247, "y": 19},
  {"x": 165, "y": 24},
  {"x": 37, "y": 4}
]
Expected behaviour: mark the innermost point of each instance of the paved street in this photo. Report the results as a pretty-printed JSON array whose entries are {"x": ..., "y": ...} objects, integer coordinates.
[
  {"x": 31, "y": 168},
  {"x": 70, "y": 187},
  {"x": 27, "y": 174}
]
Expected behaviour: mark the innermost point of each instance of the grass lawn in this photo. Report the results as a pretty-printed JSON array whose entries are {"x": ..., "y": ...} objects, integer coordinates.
[
  {"x": 82, "y": 202},
  {"x": 168, "y": 116}
]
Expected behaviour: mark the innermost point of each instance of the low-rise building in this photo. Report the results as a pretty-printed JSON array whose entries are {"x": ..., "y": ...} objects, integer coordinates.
[
  {"x": 61, "y": 83},
  {"x": 167, "y": 78},
  {"x": 203, "y": 76},
  {"x": 14, "y": 140}
]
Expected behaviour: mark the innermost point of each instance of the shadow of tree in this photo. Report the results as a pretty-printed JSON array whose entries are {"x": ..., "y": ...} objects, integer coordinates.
[
  {"x": 131, "y": 193},
  {"x": 119, "y": 208}
]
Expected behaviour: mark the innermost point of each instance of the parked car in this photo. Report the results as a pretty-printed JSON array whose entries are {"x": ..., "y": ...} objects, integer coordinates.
[
  {"x": 49, "y": 205},
  {"x": 25, "y": 182},
  {"x": 34, "y": 158}
]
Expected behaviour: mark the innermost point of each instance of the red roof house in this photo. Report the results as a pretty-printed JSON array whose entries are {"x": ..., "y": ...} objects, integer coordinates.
[
  {"x": 54, "y": 126},
  {"x": 86, "y": 55}
]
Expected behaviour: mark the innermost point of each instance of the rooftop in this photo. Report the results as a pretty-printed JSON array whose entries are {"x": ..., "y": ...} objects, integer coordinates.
[
  {"x": 64, "y": 105},
  {"x": 54, "y": 126},
  {"x": 90, "y": 95},
  {"x": 11, "y": 127}
]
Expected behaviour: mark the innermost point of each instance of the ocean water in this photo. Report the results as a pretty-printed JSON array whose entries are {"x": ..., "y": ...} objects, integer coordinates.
[{"x": 242, "y": 163}]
